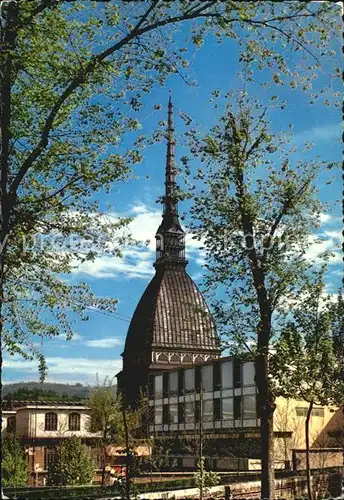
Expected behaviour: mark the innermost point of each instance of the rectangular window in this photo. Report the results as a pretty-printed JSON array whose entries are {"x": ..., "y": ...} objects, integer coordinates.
[
  {"x": 158, "y": 415},
  {"x": 173, "y": 414},
  {"x": 158, "y": 386},
  {"x": 173, "y": 383},
  {"x": 237, "y": 407},
  {"x": 207, "y": 378},
  {"x": 189, "y": 381},
  {"x": 217, "y": 376},
  {"x": 227, "y": 409},
  {"x": 227, "y": 375},
  {"x": 217, "y": 409},
  {"x": 248, "y": 373},
  {"x": 11, "y": 424},
  {"x": 165, "y": 415},
  {"x": 237, "y": 373},
  {"x": 189, "y": 413},
  {"x": 317, "y": 412},
  {"x": 301, "y": 411},
  {"x": 208, "y": 411},
  {"x": 181, "y": 413},
  {"x": 50, "y": 455},
  {"x": 249, "y": 407}
]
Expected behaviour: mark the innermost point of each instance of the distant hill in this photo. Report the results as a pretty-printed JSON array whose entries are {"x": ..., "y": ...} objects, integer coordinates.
[{"x": 21, "y": 389}]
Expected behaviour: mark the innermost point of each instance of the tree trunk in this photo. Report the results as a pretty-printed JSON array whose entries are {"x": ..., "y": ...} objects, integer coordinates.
[
  {"x": 266, "y": 407},
  {"x": 308, "y": 465},
  {"x": 8, "y": 18},
  {"x": 103, "y": 468},
  {"x": 127, "y": 450}
]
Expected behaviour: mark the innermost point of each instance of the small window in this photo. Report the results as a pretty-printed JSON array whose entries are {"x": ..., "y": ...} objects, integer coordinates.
[
  {"x": 318, "y": 412},
  {"x": 74, "y": 421},
  {"x": 189, "y": 413},
  {"x": 248, "y": 373},
  {"x": 173, "y": 414},
  {"x": 51, "y": 421},
  {"x": 173, "y": 383},
  {"x": 226, "y": 375},
  {"x": 237, "y": 373},
  {"x": 11, "y": 424},
  {"x": 50, "y": 456},
  {"x": 189, "y": 380},
  {"x": 301, "y": 411},
  {"x": 197, "y": 411},
  {"x": 207, "y": 411},
  {"x": 217, "y": 409},
  {"x": 207, "y": 378},
  {"x": 237, "y": 408},
  {"x": 249, "y": 407},
  {"x": 227, "y": 409},
  {"x": 158, "y": 415},
  {"x": 158, "y": 387}
]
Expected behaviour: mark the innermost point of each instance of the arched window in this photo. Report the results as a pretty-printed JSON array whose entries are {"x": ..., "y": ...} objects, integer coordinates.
[
  {"x": 74, "y": 421},
  {"x": 51, "y": 421}
]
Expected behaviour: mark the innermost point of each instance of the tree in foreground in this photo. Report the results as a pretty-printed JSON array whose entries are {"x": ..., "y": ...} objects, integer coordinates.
[
  {"x": 105, "y": 418},
  {"x": 254, "y": 214},
  {"x": 15, "y": 470},
  {"x": 72, "y": 465},
  {"x": 73, "y": 76},
  {"x": 304, "y": 364}
]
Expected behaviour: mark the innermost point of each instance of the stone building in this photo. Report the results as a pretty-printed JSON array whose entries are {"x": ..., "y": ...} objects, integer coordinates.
[
  {"x": 171, "y": 325},
  {"x": 40, "y": 427}
]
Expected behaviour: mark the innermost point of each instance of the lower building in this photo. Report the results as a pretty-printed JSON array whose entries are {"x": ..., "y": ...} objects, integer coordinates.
[{"x": 216, "y": 402}]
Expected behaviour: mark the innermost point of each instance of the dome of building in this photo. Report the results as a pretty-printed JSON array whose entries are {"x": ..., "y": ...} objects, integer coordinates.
[{"x": 172, "y": 325}]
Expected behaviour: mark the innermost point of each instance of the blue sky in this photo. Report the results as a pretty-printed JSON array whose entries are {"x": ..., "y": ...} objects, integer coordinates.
[{"x": 98, "y": 343}]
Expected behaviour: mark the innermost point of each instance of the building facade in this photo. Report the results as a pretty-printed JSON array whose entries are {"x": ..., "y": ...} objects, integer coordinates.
[
  {"x": 171, "y": 325},
  {"x": 40, "y": 427},
  {"x": 216, "y": 402}
]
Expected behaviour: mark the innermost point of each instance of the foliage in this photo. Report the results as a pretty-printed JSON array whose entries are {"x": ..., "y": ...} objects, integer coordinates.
[
  {"x": 14, "y": 463},
  {"x": 205, "y": 479},
  {"x": 254, "y": 214},
  {"x": 35, "y": 394},
  {"x": 72, "y": 465},
  {"x": 74, "y": 77},
  {"x": 304, "y": 364}
]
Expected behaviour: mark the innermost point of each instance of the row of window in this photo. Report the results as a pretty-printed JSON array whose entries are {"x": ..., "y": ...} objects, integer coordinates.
[
  {"x": 212, "y": 377},
  {"x": 51, "y": 421},
  {"x": 316, "y": 412},
  {"x": 237, "y": 408}
]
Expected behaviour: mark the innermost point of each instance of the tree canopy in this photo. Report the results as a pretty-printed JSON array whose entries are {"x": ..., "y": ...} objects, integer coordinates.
[{"x": 73, "y": 80}]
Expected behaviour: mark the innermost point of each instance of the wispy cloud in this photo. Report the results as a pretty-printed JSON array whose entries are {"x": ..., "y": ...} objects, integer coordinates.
[
  {"x": 61, "y": 368},
  {"x": 324, "y": 133},
  {"x": 137, "y": 261},
  {"x": 104, "y": 343}
]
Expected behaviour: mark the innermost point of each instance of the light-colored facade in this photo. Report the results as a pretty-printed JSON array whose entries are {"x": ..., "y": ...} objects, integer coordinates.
[
  {"x": 41, "y": 427},
  {"x": 220, "y": 397}
]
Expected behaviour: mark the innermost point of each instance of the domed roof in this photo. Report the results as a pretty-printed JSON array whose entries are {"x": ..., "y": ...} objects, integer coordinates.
[{"x": 173, "y": 315}]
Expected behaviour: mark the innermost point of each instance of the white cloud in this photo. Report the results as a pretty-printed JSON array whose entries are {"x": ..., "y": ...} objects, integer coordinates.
[
  {"x": 137, "y": 261},
  {"x": 61, "y": 368},
  {"x": 104, "y": 343},
  {"x": 331, "y": 243},
  {"x": 326, "y": 132}
]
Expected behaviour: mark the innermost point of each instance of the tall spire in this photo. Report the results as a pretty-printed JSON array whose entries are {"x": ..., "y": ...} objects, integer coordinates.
[
  {"x": 170, "y": 204},
  {"x": 170, "y": 238}
]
